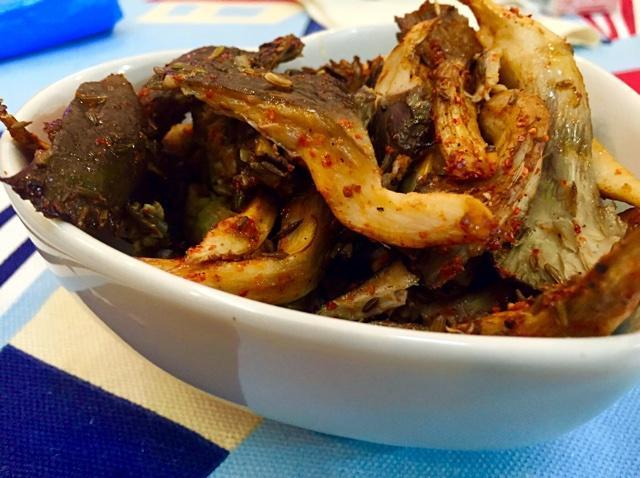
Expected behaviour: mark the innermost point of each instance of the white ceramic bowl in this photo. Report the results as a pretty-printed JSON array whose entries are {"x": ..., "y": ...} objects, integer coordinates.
[{"x": 357, "y": 380}]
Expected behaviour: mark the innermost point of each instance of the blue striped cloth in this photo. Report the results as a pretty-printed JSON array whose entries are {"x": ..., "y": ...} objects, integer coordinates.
[{"x": 75, "y": 401}]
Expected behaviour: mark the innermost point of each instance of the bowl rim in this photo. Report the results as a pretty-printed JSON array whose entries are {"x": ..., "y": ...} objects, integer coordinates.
[{"x": 129, "y": 271}]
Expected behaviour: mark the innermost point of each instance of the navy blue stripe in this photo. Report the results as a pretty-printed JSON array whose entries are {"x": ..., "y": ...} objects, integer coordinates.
[
  {"x": 6, "y": 214},
  {"x": 313, "y": 27},
  {"x": 15, "y": 260},
  {"x": 55, "y": 425}
]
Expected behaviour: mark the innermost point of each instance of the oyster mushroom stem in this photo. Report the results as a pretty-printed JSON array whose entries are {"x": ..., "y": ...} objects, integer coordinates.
[
  {"x": 238, "y": 235},
  {"x": 278, "y": 278}
]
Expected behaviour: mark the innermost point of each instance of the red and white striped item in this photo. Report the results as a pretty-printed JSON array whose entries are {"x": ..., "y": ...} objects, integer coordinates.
[
  {"x": 564, "y": 7},
  {"x": 623, "y": 22}
]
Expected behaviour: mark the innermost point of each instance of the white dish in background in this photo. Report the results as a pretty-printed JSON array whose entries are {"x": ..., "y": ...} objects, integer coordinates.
[{"x": 357, "y": 380}]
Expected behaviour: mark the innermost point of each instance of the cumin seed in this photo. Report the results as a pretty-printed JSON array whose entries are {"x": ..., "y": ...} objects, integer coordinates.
[
  {"x": 278, "y": 80},
  {"x": 370, "y": 305}
]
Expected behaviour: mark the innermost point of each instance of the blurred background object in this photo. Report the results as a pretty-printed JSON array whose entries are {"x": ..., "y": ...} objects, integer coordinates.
[
  {"x": 30, "y": 25},
  {"x": 562, "y": 7}
]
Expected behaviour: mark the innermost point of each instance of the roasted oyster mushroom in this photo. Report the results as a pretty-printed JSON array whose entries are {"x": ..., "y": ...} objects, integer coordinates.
[
  {"x": 448, "y": 51},
  {"x": 568, "y": 227},
  {"x": 96, "y": 161},
  {"x": 402, "y": 125},
  {"x": 590, "y": 305},
  {"x": 517, "y": 124},
  {"x": 423, "y": 98},
  {"x": 313, "y": 118},
  {"x": 278, "y": 278},
  {"x": 164, "y": 108}
]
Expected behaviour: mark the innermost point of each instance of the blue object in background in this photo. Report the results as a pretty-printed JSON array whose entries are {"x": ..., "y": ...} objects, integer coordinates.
[{"x": 31, "y": 25}]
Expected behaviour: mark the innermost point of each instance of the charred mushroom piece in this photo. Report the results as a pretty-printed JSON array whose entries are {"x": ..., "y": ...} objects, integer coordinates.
[
  {"x": 426, "y": 11},
  {"x": 590, "y": 305},
  {"x": 280, "y": 50},
  {"x": 164, "y": 108},
  {"x": 279, "y": 278},
  {"x": 385, "y": 291},
  {"x": 314, "y": 119},
  {"x": 28, "y": 142},
  {"x": 238, "y": 159},
  {"x": 443, "y": 309},
  {"x": 568, "y": 227},
  {"x": 352, "y": 74},
  {"x": 95, "y": 162},
  {"x": 402, "y": 124}
]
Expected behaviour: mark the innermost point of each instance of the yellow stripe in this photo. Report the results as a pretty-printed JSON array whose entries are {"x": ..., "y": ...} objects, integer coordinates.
[{"x": 65, "y": 334}]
